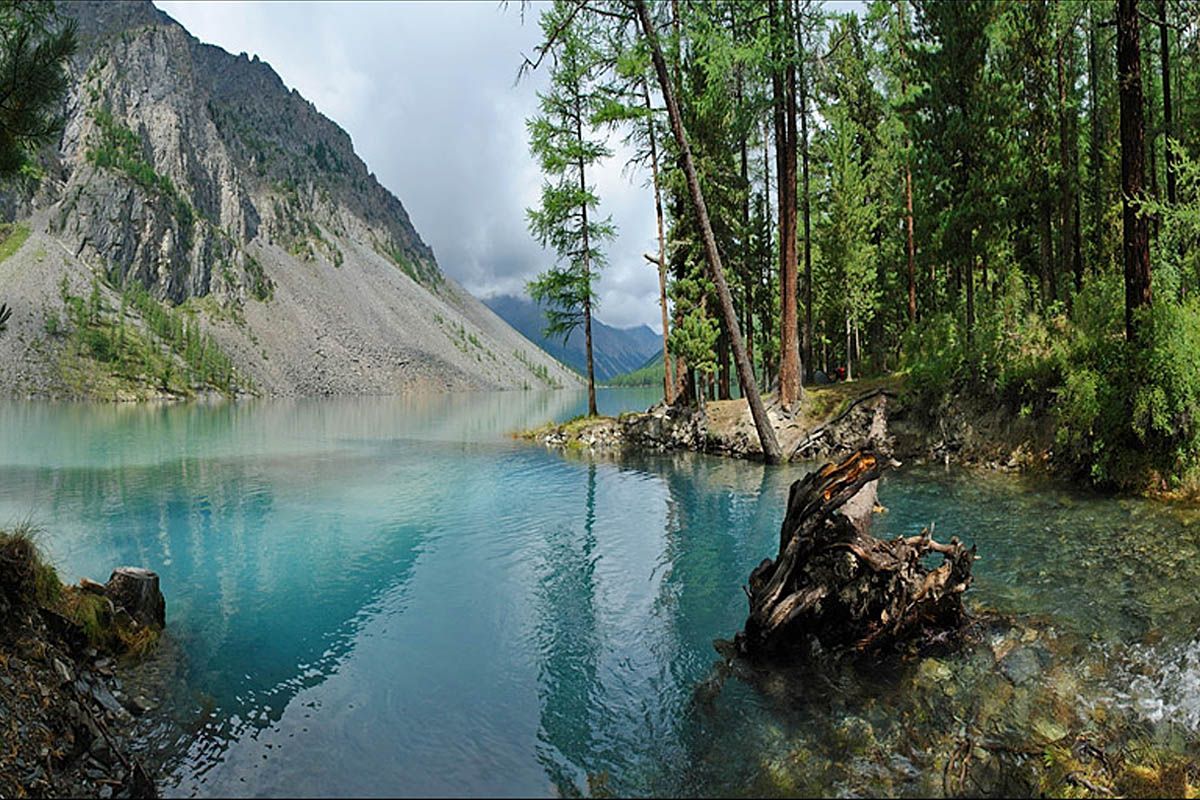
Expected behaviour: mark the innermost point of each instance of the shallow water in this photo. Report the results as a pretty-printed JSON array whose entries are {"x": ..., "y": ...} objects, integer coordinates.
[{"x": 392, "y": 596}]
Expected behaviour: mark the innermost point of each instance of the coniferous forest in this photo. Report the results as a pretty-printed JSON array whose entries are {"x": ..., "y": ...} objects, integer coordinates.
[{"x": 999, "y": 200}]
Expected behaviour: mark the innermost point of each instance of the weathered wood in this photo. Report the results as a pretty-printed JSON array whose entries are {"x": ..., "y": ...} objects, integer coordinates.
[
  {"x": 137, "y": 591},
  {"x": 834, "y": 583}
]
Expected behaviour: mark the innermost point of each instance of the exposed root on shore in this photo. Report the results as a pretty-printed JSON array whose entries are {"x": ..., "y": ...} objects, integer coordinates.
[{"x": 833, "y": 582}]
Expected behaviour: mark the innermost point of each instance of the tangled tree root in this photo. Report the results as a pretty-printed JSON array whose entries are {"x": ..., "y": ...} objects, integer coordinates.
[{"x": 835, "y": 584}]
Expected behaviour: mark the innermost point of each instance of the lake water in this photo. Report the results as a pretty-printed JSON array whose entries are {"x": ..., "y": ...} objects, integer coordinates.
[{"x": 392, "y": 596}]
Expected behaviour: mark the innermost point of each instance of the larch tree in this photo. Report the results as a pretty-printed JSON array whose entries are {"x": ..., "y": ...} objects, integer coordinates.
[
  {"x": 567, "y": 219},
  {"x": 783, "y": 91}
]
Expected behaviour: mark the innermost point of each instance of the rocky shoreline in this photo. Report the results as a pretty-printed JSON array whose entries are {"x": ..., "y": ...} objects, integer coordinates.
[
  {"x": 66, "y": 717},
  {"x": 831, "y": 423}
]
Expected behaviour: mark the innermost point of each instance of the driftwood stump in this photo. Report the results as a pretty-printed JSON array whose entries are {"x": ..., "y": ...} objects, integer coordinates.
[
  {"x": 835, "y": 583},
  {"x": 136, "y": 590}
]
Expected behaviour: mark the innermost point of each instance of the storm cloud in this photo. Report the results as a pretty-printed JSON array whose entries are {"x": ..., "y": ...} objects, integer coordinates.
[{"x": 428, "y": 93}]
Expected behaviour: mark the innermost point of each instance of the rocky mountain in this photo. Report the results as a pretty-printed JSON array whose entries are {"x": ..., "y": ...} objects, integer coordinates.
[
  {"x": 200, "y": 226},
  {"x": 615, "y": 351}
]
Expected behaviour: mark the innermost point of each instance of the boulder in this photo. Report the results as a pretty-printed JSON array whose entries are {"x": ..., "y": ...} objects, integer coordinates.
[{"x": 136, "y": 590}]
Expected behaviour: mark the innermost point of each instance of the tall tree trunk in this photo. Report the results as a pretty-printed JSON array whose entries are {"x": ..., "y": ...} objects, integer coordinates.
[
  {"x": 784, "y": 100},
  {"x": 767, "y": 315},
  {"x": 908, "y": 186},
  {"x": 1097, "y": 203},
  {"x": 668, "y": 378},
  {"x": 748, "y": 257},
  {"x": 1135, "y": 233},
  {"x": 1066, "y": 201},
  {"x": 748, "y": 265},
  {"x": 849, "y": 360},
  {"x": 1046, "y": 252},
  {"x": 587, "y": 258},
  {"x": 766, "y": 434},
  {"x": 1077, "y": 254},
  {"x": 970, "y": 274},
  {"x": 723, "y": 384},
  {"x": 1164, "y": 46},
  {"x": 805, "y": 202}
]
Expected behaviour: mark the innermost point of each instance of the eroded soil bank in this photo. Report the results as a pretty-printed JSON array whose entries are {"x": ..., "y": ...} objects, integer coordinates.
[{"x": 830, "y": 422}]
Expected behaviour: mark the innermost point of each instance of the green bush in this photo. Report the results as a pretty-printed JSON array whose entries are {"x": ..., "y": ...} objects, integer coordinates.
[
  {"x": 934, "y": 355},
  {"x": 1127, "y": 414},
  {"x": 120, "y": 149}
]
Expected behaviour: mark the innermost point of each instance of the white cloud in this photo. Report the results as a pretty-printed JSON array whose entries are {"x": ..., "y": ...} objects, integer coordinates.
[{"x": 427, "y": 92}]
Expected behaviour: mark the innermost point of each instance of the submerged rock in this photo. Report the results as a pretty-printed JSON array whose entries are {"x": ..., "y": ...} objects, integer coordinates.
[{"x": 1021, "y": 665}]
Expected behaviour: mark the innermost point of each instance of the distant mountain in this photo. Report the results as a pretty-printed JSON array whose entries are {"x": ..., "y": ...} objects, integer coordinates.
[
  {"x": 649, "y": 373},
  {"x": 614, "y": 350}
]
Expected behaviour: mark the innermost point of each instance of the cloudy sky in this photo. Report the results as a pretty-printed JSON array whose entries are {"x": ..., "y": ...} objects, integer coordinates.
[{"x": 428, "y": 92}]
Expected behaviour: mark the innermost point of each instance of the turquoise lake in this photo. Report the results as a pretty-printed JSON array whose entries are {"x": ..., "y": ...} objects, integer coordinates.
[{"x": 387, "y": 596}]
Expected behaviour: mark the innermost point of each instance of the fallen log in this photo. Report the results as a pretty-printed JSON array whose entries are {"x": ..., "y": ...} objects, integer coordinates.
[{"x": 834, "y": 583}]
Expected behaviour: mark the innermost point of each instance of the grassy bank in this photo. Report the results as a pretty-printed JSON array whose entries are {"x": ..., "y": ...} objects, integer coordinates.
[{"x": 27, "y": 580}]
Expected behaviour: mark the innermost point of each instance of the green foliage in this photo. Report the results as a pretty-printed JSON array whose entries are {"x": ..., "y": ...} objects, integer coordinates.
[
  {"x": 12, "y": 237},
  {"x": 935, "y": 358},
  {"x": 25, "y": 575},
  {"x": 539, "y": 370},
  {"x": 261, "y": 286},
  {"x": 423, "y": 272},
  {"x": 120, "y": 149},
  {"x": 567, "y": 219},
  {"x": 849, "y": 286},
  {"x": 134, "y": 353},
  {"x": 694, "y": 338},
  {"x": 35, "y": 46},
  {"x": 650, "y": 374},
  {"x": 1127, "y": 413}
]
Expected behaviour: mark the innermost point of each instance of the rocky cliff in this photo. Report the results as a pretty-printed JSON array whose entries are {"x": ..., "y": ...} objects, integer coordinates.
[{"x": 201, "y": 226}]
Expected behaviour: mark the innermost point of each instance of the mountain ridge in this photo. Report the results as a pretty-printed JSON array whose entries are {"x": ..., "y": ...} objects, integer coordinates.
[
  {"x": 615, "y": 350},
  {"x": 199, "y": 177}
]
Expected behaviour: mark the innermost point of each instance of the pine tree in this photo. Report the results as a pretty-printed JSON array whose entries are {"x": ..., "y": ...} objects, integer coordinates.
[{"x": 34, "y": 47}]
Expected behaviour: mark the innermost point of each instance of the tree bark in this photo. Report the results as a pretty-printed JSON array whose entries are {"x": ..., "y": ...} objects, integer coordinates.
[
  {"x": 834, "y": 583},
  {"x": 1097, "y": 204},
  {"x": 784, "y": 101},
  {"x": 668, "y": 378},
  {"x": 137, "y": 591},
  {"x": 1066, "y": 143},
  {"x": 587, "y": 253},
  {"x": 1164, "y": 45},
  {"x": 766, "y": 434},
  {"x": 1135, "y": 228},
  {"x": 767, "y": 316},
  {"x": 970, "y": 275},
  {"x": 908, "y": 187},
  {"x": 806, "y": 203}
]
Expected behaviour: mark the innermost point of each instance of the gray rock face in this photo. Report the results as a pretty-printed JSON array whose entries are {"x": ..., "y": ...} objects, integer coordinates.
[
  {"x": 199, "y": 176},
  {"x": 176, "y": 154}
]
